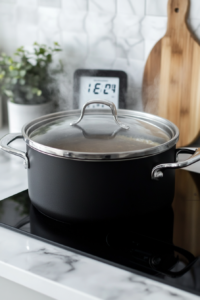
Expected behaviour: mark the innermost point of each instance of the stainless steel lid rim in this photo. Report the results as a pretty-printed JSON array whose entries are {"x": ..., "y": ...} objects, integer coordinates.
[
  {"x": 101, "y": 159},
  {"x": 163, "y": 123}
]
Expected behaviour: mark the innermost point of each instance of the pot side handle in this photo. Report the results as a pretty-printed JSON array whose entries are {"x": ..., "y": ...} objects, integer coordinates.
[
  {"x": 4, "y": 145},
  {"x": 157, "y": 172}
]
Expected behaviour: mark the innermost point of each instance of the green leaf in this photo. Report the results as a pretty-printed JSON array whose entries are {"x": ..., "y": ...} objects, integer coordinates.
[
  {"x": 49, "y": 57},
  {"x": 21, "y": 77},
  {"x": 7, "y": 80},
  {"x": 42, "y": 50},
  {"x": 2, "y": 74},
  {"x": 21, "y": 49},
  {"x": 39, "y": 93},
  {"x": 28, "y": 67},
  {"x": 22, "y": 81},
  {"x": 22, "y": 73},
  {"x": 8, "y": 93},
  {"x": 14, "y": 80},
  {"x": 13, "y": 73},
  {"x": 34, "y": 90}
]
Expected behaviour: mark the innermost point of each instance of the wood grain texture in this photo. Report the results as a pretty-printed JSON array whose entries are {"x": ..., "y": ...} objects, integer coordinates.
[{"x": 171, "y": 82}]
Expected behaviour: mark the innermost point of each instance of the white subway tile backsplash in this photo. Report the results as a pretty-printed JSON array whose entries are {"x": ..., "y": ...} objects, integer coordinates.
[
  {"x": 26, "y": 36},
  {"x": 131, "y": 7},
  {"x": 130, "y": 48},
  {"x": 103, "y": 6},
  {"x": 99, "y": 24},
  {"x": 149, "y": 44},
  {"x": 194, "y": 12},
  {"x": 46, "y": 37},
  {"x": 7, "y": 8},
  {"x": 8, "y": 1},
  {"x": 48, "y": 20},
  {"x": 8, "y": 38},
  {"x": 103, "y": 62},
  {"x": 50, "y": 12},
  {"x": 122, "y": 48},
  {"x": 27, "y": 3},
  {"x": 48, "y": 25},
  {"x": 105, "y": 45},
  {"x": 75, "y": 5},
  {"x": 75, "y": 46},
  {"x": 120, "y": 64},
  {"x": 136, "y": 69},
  {"x": 100, "y": 34},
  {"x": 127, "y": 26},
  {"x": 72, "y": 23},
  {"x": 50, "y": 3},
  {"x": 27, "y": 15},
  {"x": 136, "y": 50},
  {"x": 156, "y": 7},
  {"x": 153, "y": 28},
  {"x": 194, "y": 26},
  {"x": 7, "y": 18}
]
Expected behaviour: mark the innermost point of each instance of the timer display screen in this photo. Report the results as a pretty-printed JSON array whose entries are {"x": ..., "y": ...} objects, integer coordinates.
[{"x": 99, "y": 88}]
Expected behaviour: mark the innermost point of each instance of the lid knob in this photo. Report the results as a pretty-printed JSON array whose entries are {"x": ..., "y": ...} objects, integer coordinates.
[{"x": 107, "y": 103}]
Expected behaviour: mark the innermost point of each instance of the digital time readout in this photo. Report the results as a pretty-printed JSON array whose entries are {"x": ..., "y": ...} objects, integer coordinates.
[
  {"x": 99, "y": 88},
  {"x": 105, "y": 90}
]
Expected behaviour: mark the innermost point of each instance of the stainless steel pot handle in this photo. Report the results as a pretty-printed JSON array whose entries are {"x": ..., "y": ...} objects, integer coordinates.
[
  {"x": 107, "y": 103},
  {"x": 157, "y": 171},
  {"x": 99, "y": 136},
  {"x": 9, "y": 138}
]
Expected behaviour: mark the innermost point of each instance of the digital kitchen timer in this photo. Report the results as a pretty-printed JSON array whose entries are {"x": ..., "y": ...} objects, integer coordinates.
[{"x": 100, "y": 85}]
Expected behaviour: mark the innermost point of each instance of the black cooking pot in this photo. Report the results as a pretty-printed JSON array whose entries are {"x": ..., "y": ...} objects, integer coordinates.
[{"x": 100, "y": 169}]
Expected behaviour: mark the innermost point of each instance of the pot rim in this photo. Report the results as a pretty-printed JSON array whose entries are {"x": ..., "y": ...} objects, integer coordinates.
[{"x": 165, "y": 124}]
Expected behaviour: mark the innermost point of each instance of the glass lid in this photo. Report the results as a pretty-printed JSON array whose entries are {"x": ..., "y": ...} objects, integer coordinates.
[{"x": 100, "y": 134}]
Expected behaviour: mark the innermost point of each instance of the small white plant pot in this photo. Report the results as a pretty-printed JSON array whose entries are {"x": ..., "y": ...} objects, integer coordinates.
[{"x": 20, "y": 114}]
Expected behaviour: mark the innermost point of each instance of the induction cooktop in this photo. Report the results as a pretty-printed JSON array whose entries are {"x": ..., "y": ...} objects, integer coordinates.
[{"x": 163, "y": 245}]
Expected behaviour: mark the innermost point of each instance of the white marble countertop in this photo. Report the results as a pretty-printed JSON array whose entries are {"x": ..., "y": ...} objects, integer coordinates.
[{"x": 62, "y": 274}]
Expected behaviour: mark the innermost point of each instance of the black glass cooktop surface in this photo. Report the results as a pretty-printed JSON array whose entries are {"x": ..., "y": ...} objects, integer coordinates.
[{"x": 163, "y": 245}]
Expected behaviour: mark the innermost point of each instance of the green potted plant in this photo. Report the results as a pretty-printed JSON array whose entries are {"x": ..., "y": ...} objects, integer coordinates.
[{"x": 27, "y": 80}]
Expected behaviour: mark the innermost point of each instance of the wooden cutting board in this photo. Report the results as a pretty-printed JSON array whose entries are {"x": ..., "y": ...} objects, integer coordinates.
[{"x": 171, "y": 82}]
